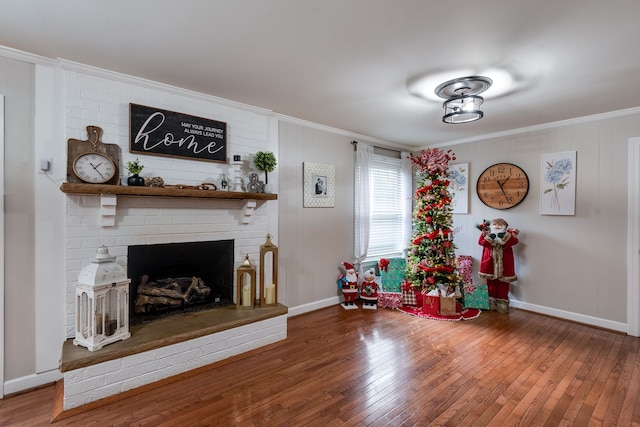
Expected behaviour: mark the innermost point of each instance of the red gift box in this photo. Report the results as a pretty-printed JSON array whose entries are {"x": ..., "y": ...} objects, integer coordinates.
[
  {"x": 431, "y": 305},
  {"x": 419, "y": 298}
]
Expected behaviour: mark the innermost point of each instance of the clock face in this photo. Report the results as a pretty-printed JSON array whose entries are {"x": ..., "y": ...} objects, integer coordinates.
[
  {"x": 94, "y": 168},
  {"x": 502, "y": 186}
]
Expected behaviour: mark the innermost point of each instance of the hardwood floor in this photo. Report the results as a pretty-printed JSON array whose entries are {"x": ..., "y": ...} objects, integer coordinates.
[{"x": 386, "y": 368}]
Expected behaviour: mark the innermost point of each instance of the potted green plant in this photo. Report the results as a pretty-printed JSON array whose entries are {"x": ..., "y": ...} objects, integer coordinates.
[
  {"x": 266, "y": 162},
  {"x": 134, "y": 168}
]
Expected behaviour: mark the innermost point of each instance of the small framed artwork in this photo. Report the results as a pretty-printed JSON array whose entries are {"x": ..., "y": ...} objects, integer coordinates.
[
  {"x": 459, "y": 188},
  {"x": 319, "y": 185},
  {"x": 558, "y": 183}
]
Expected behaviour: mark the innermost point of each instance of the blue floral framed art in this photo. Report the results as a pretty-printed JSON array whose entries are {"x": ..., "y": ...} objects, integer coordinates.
[
  {"x": 459, "y": 187},
  {"x": 558, "y": 183}
]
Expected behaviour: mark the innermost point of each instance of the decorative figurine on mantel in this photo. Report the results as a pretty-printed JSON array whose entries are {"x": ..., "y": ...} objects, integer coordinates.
[
  {"x": 236, "y": 173},
  {"x": 497, "y": 262},
  {"x": 224, "y": 184},
  {"x": 348, "y": 284},
  {"x": 255, "y": 185}
]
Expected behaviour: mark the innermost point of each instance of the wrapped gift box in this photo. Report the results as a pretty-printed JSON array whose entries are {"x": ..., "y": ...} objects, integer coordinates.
[
  {"x": 448, "y": 306},
  {"x": 431, "y": 304},
  {"x": 408, "y": 294},
  {"x": 408, "y": 297},
  {"x": 464, "y": 264},
  {"x": 419, "y": 298},
  {"x": 476, "y": 296},
  {"x": 390, "y": 299},
  {"x": 392, "y": 274}
]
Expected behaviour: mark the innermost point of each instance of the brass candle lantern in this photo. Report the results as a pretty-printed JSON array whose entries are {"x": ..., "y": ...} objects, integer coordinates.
[
  {"x": 246, "y": 285},
  {"x": 268, "y": 282}
]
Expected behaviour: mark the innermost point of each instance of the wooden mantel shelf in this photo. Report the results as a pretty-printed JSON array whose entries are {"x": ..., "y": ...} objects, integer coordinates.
[
  {"x": 108, "y": 197},
  {"x": 124, "y": 190}
]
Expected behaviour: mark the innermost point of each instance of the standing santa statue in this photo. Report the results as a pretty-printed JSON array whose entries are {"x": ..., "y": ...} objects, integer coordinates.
[
  {"x": 348, "y": 284},
  {"x": 497, "y": 264}
]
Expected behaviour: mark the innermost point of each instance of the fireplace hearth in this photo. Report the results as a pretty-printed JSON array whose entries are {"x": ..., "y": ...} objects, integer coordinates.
[{"x": 174, "y": 278}]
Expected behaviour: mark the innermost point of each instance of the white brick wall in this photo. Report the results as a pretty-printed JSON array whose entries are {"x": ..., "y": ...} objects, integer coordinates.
[
  {"x": 82, "y": 386},
  {"x": 96, "y": 100}
]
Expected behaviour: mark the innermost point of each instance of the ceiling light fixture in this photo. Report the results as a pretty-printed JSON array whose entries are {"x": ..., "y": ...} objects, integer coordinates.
[{"x": 462, "y": 103}]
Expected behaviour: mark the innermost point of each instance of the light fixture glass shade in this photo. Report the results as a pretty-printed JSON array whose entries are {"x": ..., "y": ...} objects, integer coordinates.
[
  {"x": 462, "y": 109},
  {"x": 462, "y": 104}
]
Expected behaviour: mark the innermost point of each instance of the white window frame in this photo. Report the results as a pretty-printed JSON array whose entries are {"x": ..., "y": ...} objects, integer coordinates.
[{"x": 382, "y": 200}]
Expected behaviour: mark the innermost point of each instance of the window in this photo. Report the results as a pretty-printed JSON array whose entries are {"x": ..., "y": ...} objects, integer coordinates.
[{"x": 388, "y": 208}]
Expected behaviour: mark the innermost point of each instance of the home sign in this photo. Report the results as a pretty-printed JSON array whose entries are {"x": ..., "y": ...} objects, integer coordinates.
[{"x": 160, "y": 132}]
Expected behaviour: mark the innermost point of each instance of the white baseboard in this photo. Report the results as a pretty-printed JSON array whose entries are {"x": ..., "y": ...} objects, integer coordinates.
[
  {"x": 568, "y": 315},
  {"x": 316, "y": 305},
  {"x": 31, "y": 381},
  {"x": 562, "y": 314}
]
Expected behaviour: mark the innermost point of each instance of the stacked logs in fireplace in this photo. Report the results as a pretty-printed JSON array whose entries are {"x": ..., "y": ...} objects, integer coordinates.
[{"x": 168, "y": 293}]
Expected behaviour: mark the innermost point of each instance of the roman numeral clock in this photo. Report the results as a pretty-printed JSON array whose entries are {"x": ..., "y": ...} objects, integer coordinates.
[{"x": 502, "y": 186}]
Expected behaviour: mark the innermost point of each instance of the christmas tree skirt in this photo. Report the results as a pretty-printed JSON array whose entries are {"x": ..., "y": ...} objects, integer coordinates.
[{"x": 463, "y": 314}]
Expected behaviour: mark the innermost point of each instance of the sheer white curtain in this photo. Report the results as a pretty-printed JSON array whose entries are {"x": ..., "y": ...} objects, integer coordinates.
[
  {"x": 362, "y": 219},
  {"x": 407, "y": 192}
]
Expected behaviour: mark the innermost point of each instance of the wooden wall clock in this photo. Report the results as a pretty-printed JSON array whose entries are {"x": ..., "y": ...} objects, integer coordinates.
[
  {"x": 91, "y": 161},
  {"x": 502, "y": 186}
]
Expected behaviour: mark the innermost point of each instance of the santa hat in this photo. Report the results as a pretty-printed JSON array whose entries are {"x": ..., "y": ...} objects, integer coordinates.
[{"x": 348, "y": 266}]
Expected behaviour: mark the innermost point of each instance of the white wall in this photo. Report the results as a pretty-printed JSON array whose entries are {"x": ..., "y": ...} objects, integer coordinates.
[
  {"x": 314, "y": 241},
  {"x": 17, "y": 85},
  {"x": 570, "y": 266}
]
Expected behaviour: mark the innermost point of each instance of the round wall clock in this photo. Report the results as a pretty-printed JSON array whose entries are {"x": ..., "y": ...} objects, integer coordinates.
[
  {"x": 94, "y": 168},
  {"x": 502, "y": 186},
  {"x": 91, "y": 161}
]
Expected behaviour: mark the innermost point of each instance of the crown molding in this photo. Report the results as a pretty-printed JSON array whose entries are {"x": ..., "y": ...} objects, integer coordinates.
[
  {"x": 352, "y": 135},
  {"x": 19, "y": 55},
  {"x": 545, "y": 126}
]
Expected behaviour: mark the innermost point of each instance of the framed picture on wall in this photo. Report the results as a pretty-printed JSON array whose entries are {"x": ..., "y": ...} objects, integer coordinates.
[
  {"x": 319, "y": 185},
  {"x": 459, "y": 188},
  {"x": 558, "y": 183}
]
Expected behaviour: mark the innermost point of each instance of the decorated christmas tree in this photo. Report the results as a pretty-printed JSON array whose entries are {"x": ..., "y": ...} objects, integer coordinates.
[{"x": 431, "y": 259}]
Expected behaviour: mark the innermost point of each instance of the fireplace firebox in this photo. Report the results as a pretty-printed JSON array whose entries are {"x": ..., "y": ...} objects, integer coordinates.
[{"x": 174, "y": 278}]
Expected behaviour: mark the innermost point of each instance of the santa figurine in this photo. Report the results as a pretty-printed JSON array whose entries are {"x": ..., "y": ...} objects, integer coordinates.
[
  {"x": 497, "y": 264},
  {"x": 369, "y": 290},
  {"x": 348, "y": 283}
]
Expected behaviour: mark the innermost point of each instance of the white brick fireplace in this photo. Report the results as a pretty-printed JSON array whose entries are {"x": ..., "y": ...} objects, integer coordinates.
[
  {"x": 146, "y": 220},
  {"x": 139, "y": 220}
]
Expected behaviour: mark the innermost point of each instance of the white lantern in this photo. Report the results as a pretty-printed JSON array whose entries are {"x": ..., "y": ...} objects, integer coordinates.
[{"x": 102, "y": 302}]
